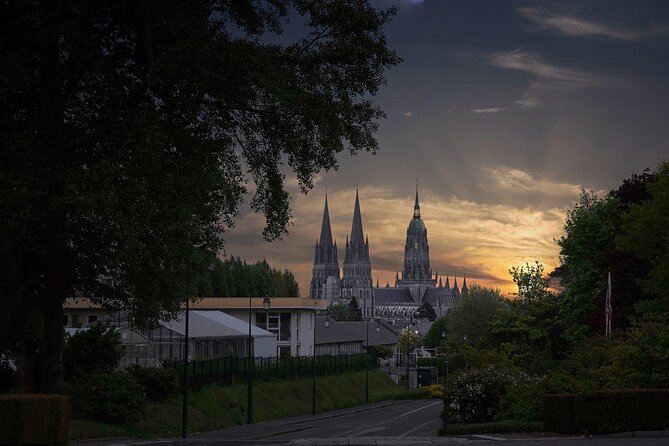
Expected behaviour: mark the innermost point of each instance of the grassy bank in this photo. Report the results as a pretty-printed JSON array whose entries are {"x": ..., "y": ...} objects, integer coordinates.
[{"x": 220, "y": 407}]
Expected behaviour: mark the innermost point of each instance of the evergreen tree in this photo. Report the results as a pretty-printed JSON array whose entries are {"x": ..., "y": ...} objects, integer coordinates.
[{"x": 354, "y": 310}]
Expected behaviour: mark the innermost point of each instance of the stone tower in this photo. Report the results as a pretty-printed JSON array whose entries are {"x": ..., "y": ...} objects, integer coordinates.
[
  {"x": 325, "y": 282},
  {"x": 416, "y": 272},
  {"x": 357, "y": 280}
]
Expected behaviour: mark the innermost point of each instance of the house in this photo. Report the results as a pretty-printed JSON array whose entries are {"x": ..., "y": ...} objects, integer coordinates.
[{"x": 350, "y": 337}]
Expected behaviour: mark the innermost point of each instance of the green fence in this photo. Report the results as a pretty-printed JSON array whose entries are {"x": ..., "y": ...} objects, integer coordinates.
[
  {"x": 455, "y": 363},
  {"x": 229, "y": 370}
]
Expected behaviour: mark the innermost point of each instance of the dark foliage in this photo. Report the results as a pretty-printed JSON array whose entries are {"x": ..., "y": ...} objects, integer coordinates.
[
  {"x": 158, "y": 382},
  {"x": 426, "y": 311},
  {"x": 233, "y": 277},
  {"x": 96, "y": 349},
  {"x": 113, "y": 397},
  {"x": 354, "y": 311},
  {"x": 130, "y": 130}
]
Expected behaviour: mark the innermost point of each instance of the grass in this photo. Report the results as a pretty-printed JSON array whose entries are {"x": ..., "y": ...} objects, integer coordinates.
[{"x": 219, "y": 407}]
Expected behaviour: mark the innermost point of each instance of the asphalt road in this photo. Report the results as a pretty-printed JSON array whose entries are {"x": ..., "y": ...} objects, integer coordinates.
[
  {"x": 413, "y": 422},
  {"x": 416, "y": 418}
]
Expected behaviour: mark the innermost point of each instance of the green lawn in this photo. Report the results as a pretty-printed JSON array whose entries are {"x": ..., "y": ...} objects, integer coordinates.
[{"x": 220, "y": 407}]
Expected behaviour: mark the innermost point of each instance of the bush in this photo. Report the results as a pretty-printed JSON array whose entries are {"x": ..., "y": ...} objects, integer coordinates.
[
  {"x": 559, "y": 413},
  {"x": 7, "y": 373},
  {"x": 522, "y": 402},
  {"x": 607, "y": 411},
  {"x": 622, "y": 410},
  {"x": 113, "y": 397},
  {"x": 96, "y": 349},
  {"x": 158, "y": 382},
  {"x": 473, "y": 396},
  {"x": 34, "y": 419}
]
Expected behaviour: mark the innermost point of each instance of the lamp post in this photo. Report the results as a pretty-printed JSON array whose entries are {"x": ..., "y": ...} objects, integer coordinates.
[
  {"x": 184, "y": 419},
  {"x": 378, "y": 330},
  {"x": 249, "y": 415},
  {"x": 326, "y": 323}
]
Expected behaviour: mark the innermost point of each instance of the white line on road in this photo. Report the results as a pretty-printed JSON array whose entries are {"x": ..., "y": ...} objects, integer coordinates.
[
  {"x": 420, "y": 408},
  {"x": 418, "y": 427}
]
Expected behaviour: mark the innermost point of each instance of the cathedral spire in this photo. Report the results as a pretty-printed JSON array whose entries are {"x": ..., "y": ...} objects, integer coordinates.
[
  {"x": 416, "y": 206},
  {"x": 326, "y": 232},
  {"x": 464, "y": 284},
  {"x": 356, "y": 227},
  {"x": 326, "y": 263}
]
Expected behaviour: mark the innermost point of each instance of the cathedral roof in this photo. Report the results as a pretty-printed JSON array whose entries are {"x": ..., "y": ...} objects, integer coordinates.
[{"x": 392, "y": 295}]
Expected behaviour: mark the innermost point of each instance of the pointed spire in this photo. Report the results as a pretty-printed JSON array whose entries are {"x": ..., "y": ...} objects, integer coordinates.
[
  {"x": 377, "y": 282},
  {"x": 387, "y": 285},
  {"x": 455, "y": 283},
  {"x": 326, "y": 232},
  {"x": 416, "y": 206},
  {"x": 447, "y": 284},
  {"x": 440, "y": 285},
  {"x": 356, "y": 227}
]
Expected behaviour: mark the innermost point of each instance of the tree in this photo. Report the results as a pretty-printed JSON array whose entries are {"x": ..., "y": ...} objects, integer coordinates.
[
  {"x": 426, "y": 311},
  {"x": 128, "y": 131},
  {"x": 530, "y": 281},
  {"x": 645, "y": 232},
  {"x": 96, "y": 349},
  {"x": 471, "y": 321},
  {"x": 590, "y": 249},
  {"x": 339, "y": 312},
  {"x": 437, "y": 333},
  {"x": 354, "y": 311},
  {"x": 408, "y": 341}
]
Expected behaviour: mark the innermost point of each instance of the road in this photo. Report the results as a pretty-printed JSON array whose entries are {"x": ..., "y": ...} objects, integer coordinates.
[
  {"x": 416, "y": 418},
  {"x": 413, "y": 422}
]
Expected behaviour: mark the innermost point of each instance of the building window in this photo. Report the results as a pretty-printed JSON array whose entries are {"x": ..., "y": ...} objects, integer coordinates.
[
  {"x": 66, "y": 320},
  {"x": 284, "y": 350},
  {"x": 92, "y": 318}
]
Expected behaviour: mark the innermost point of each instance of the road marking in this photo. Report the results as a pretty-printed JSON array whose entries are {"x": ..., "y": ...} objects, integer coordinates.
[
  {"x": 488, "y": 437},
  {"x": 420, "y": 408},
  {"x": 419, "y": 427}
]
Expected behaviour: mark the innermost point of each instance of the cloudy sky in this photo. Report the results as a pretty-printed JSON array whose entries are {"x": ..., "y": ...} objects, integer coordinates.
[{"x": 503, "y": 110}]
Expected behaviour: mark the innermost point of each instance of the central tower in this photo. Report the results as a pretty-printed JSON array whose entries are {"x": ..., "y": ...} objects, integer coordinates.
[{"x": 416, "y": 271}]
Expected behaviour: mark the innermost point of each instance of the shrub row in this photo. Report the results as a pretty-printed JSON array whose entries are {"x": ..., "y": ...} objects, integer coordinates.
[
  {"x": 34, "y": 419},
  {"x": 607, "y": 411},
  {"x": 114, "y": 397}
]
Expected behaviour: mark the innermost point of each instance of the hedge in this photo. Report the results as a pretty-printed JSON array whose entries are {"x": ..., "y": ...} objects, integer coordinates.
[
  {"x": 34, "y": 419},
  {"x": 607, "y": 411},
  {"x": 558, "y": 413}
]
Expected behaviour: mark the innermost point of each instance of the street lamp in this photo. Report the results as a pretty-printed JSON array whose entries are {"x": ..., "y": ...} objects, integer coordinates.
[
  {"x": 326, "y": 323},
  {"x": 184, "y": 419},
  {"x": 266, "y": 303},
  {"x": 378, "y": 330},
  {"x": 249, "y": 416}
]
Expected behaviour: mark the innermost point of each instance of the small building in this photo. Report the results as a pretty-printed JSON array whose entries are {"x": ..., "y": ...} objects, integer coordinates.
[
  {"x": 289, "y": 319},
  {"x": 350, "y": 337}
]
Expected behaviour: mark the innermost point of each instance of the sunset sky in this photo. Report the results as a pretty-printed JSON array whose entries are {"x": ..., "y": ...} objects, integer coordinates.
[{"x": 503, "y": 110}]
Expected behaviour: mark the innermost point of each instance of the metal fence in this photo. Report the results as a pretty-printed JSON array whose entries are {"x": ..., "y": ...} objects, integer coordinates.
[{"x": 229, "y": 370}]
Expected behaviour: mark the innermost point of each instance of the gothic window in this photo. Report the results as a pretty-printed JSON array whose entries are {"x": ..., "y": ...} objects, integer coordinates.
[{"x": 415, "y": 245}]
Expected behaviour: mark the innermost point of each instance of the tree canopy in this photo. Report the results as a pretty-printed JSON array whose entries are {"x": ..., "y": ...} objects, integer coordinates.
[
  {"x": 133, "y": 130},
  {"x": 233, "y": 277}
]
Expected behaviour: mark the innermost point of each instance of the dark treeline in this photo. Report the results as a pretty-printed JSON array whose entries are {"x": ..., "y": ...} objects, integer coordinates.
[{"x": 233, "y": 277}]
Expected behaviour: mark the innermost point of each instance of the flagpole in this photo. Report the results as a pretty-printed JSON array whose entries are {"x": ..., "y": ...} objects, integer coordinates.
[{"x": 608, "y": 311}]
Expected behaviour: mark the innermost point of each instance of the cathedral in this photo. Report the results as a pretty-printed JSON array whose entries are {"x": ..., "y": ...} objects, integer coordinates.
[{"x": 414, "y": 286}]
